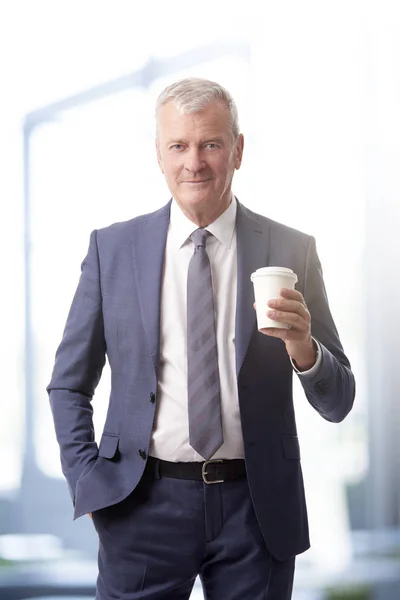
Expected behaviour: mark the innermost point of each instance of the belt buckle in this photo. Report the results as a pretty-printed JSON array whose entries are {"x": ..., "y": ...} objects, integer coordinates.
[{"x": 204, "y": 472}]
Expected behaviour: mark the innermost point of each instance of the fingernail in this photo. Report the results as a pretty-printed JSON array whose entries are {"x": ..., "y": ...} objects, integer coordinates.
[
  {"x": 271, "y": 302},
  {"x": 271, "y": 314}
]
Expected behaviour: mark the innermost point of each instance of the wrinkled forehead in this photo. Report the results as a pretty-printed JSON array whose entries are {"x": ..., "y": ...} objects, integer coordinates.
[{"x": 213, "y": 119}]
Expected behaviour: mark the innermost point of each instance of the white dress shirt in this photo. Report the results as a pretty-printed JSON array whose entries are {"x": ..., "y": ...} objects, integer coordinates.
[{"x": 170, "y": 438}]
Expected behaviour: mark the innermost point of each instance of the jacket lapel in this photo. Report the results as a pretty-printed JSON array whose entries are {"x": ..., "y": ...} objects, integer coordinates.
[
  {"x": 148, "y": 259},
  {"x": 252, "y": 253}
]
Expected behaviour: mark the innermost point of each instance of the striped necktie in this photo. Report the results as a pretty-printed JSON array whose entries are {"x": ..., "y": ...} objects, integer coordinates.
[{"x": 204, "y": 403}]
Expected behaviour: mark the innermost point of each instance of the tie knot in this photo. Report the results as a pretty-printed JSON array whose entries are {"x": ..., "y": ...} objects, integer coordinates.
[{"x": 199, "y": 237}]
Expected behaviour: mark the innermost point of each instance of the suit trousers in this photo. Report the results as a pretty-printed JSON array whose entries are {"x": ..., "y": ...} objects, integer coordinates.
[{"x": 154, "y": 543}]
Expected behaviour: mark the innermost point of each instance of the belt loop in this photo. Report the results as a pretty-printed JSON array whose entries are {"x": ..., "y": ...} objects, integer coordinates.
[{"x": 157, "y": 469}]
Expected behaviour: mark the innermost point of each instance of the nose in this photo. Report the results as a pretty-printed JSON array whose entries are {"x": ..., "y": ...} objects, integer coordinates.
[{"x": 194, "y": 161}]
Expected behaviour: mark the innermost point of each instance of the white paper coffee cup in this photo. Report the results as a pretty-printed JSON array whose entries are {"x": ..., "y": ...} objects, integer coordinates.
[{"x": 268, "y": 282}]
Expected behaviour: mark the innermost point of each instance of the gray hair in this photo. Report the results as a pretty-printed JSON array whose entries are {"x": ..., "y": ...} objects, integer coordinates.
[{"x": 193, "y": 94}]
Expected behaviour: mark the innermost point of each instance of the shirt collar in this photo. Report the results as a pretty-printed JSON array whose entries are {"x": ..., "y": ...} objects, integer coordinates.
[{"x": 181, "y": 228}]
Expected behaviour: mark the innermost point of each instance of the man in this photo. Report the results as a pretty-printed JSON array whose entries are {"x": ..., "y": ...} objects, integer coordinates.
[{"x": 198, "y": 467}]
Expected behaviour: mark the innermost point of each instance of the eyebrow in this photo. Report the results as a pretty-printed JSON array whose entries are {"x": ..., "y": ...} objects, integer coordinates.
[
  {"x": 207, "y": 141},
  {"x": 213, "y": 140}
]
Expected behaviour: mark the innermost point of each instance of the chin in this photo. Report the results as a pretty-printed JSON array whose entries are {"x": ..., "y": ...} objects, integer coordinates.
[{"x": 197, "y": 198}]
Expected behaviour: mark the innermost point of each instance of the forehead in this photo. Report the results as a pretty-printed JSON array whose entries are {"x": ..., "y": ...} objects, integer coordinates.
[{"x": 212, "y": 120}]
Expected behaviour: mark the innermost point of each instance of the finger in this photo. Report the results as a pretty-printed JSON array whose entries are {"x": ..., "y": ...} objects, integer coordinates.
[
  {"x": 276, "y": 332},
  {"x": 293, "y": 295},
  {"x": 293, "y": 319},
  {"x": 286, "y": 335},
  {"x": 292, "y": 306}
]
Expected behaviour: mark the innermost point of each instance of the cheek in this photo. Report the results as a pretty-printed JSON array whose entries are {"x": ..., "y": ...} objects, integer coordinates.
[
  {"x": 171, "y": 169},
  {"x": 225, "y": 172},
  {"x": 174, "y": 171},
  {"x": 225, "y": 167}
]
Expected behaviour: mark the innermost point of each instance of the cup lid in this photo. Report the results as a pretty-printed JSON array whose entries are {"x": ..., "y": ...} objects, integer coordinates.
[{"x": 282, "y": 271}]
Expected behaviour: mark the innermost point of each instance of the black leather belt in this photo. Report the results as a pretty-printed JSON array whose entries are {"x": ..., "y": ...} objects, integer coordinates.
[{"x": 210, "y": 471}]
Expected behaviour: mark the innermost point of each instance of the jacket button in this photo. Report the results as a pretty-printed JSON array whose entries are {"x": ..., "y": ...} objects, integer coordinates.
[
  {"x": 152, "y": 398},
  {"x": 142, "y": 454}
]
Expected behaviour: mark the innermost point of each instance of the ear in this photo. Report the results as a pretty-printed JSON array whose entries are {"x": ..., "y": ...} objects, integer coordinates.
[
  {"x": 239, "y": 151},
  {"x": 159, "y": 159}
]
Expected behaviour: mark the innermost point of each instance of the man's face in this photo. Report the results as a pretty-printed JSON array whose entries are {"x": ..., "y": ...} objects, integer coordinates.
[{"x": 198, "y": 156}]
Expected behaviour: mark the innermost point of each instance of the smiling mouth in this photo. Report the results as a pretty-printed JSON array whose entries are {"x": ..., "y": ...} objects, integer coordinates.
[{"x": 199, "y": 181}]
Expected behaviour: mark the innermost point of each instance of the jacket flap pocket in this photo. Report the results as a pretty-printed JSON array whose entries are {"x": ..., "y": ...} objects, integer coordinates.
[
  {"x": 291, "y": 447},
  {"x": 108, "y": 445}
]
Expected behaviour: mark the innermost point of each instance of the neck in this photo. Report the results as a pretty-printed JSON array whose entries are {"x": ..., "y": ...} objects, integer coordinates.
[{"x": 203, "y": 218}]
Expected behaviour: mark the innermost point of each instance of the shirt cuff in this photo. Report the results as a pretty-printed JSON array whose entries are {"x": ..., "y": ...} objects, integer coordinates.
[{"x": 315, "y": 367}]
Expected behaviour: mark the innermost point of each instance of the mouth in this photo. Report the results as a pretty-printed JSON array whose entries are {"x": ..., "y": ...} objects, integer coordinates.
[{"x": 197, "y": 181}]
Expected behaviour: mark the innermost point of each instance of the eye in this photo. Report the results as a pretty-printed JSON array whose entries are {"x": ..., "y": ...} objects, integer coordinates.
[
  {"x": 211, "y": 145},
  {"x": 176, "y": 147}
]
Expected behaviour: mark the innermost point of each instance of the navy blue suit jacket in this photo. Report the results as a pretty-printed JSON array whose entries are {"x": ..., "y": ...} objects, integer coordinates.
[{"x": 116, "y": 312}]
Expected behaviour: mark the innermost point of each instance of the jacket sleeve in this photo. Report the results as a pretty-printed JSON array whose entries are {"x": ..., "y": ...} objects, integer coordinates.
[
  {"x": 331, "y": 388},
  {"x": 78, "y": 366}
]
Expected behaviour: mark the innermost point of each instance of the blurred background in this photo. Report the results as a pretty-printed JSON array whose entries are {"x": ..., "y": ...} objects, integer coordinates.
[{"x": 317, "y": 85}]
